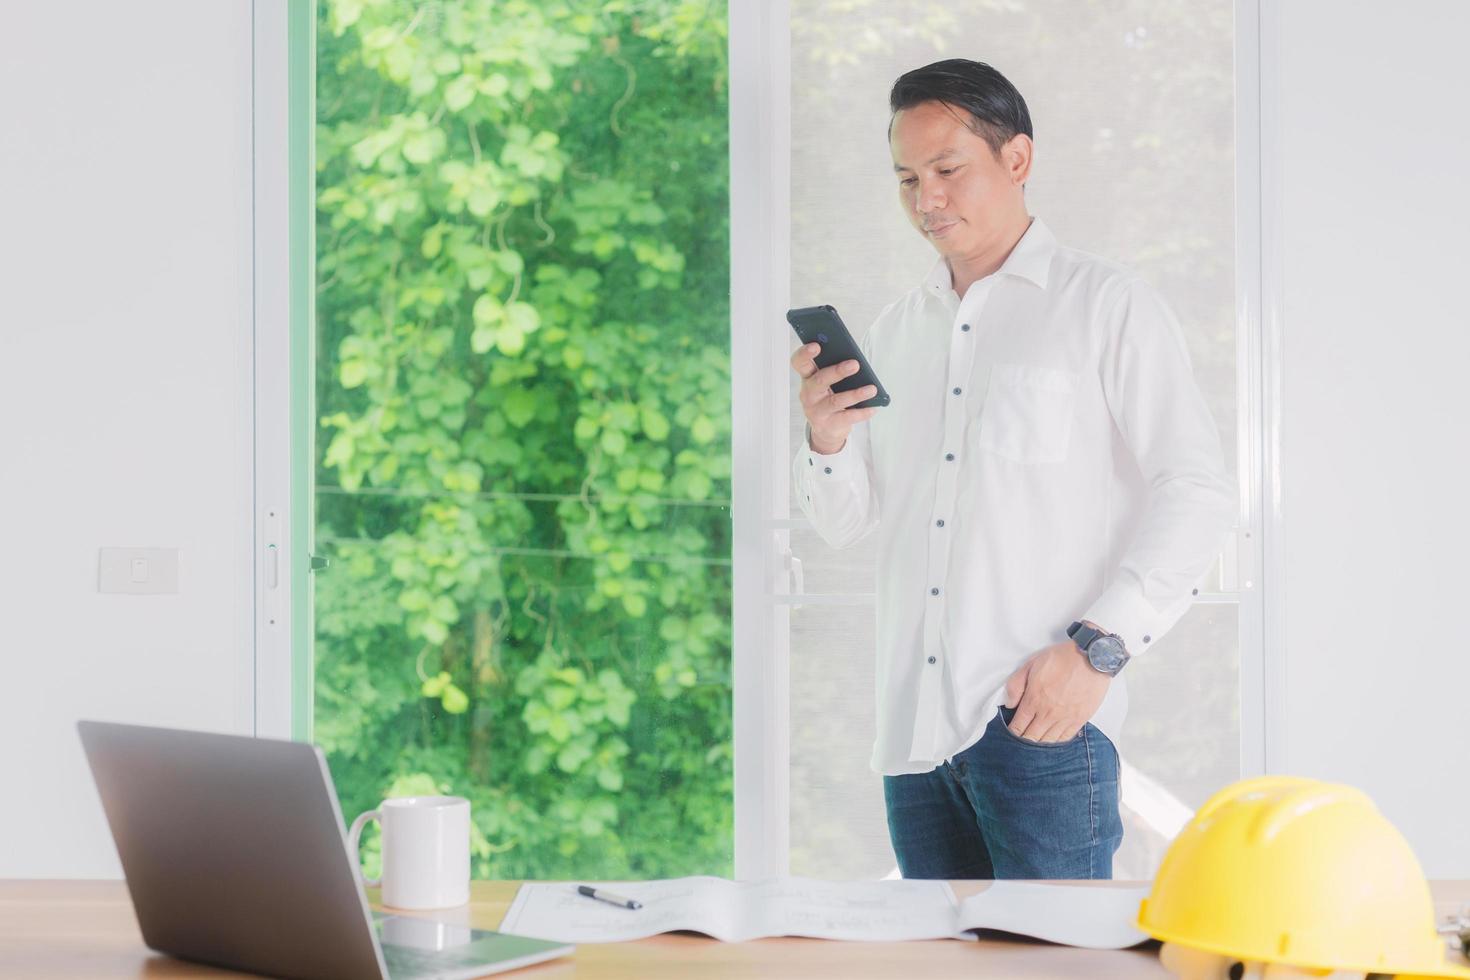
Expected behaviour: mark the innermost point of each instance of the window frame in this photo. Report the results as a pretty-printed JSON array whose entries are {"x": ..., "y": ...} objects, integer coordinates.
[
  {"x": 283, "y": 262},
  {"x": 283, "y": 107}
]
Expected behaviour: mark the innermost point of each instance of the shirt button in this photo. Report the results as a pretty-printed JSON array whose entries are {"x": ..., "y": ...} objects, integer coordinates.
[
  {"x": 826, "y": 469},
  {"x": 936, "y": 592},
  {"x": 931, "y": 660},
  {"x": 949, "y": 457},
  {"x": 1195, "y": 592},
  {"x": 810, "y": 461},
  {"x": 1147, "y": 638},
  {"x": 956, "y": 391},
  {"x": 939, "y": 523},
  {"x": 965, "y": 327}
]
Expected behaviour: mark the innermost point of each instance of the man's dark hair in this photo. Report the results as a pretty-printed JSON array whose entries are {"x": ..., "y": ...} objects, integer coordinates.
[{"x": 997, "y": 111}]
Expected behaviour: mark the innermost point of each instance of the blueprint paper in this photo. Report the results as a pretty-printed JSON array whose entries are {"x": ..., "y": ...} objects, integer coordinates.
[
  {"x": 1098, "y": 917},
  {"x": 876, "y": 911}
]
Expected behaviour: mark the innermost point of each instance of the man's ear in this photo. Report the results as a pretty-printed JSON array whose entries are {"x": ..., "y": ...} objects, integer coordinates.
[{"x": 1016, "y": 155}]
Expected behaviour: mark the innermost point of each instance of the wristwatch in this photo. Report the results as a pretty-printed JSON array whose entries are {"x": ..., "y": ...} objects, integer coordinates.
[{"x": 1105, "y": 651}]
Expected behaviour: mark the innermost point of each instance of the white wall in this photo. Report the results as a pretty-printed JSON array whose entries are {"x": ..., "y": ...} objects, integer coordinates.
[
  {"x": 1377, "y": 345},
  {"x": 124, "y": 312}
]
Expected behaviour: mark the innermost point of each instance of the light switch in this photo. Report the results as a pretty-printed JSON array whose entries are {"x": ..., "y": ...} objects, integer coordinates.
[{"x": 138, "y": 571}]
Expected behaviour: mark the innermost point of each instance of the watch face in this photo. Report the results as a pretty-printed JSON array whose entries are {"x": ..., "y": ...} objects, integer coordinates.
[{"x": 1106, "y": 653}]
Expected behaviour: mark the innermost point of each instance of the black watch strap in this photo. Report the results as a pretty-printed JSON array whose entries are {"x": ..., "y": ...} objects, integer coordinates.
[
  {"x": 1103, "y": 658},
  {"x": 1083, "y": 635}
]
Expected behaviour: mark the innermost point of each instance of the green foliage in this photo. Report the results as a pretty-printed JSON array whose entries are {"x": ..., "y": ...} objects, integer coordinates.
[{"x": 523, "y": 392}]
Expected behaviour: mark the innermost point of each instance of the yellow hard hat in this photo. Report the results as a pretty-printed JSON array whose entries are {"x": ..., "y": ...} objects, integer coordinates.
[{"x": 1286, "y": 870}]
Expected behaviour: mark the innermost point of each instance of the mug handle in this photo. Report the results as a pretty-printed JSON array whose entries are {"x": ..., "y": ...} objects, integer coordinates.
[{"x": 354, "y": 846}]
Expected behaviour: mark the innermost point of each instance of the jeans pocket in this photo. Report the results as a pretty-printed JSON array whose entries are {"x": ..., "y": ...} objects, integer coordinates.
[{"x": 1003, "y": 717}]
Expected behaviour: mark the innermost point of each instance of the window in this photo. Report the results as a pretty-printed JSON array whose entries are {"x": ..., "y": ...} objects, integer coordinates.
[
  {"x": 524, "y": 382},
  {"x": 522, "y": 397}
]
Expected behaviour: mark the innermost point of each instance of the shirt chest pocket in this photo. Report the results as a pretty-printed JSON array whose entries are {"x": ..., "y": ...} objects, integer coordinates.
[{"x": 1027, "y": 416}]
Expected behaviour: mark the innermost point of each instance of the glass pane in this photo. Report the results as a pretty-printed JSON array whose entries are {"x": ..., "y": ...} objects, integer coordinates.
[
  {"x": 838, "y": 826},
  {"x": 1182, "y": 739},
  {"x": 1133, "y": 108},
  {"x": 524, "y": 426}
]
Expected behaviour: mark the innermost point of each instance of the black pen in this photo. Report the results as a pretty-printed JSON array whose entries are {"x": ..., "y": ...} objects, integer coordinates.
[{"x": 609, "y": 897}]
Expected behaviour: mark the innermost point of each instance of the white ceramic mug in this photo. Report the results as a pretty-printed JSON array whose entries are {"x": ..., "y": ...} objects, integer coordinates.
[{"x": 426, "y": 851}]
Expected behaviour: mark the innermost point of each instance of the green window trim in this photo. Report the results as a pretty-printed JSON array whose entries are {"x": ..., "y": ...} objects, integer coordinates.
[{"x": 301, "y": 93}]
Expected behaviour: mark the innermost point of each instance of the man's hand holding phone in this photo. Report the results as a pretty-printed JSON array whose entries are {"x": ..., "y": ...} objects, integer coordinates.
[{"x": 828, "y": 412}]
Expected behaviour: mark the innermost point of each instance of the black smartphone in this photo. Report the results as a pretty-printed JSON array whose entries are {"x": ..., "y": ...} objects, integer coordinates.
[{"x": 821, "y": 325}]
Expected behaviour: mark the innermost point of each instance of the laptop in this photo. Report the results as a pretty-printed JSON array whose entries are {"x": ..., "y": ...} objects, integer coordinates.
[{"x": 234, "y": 854}]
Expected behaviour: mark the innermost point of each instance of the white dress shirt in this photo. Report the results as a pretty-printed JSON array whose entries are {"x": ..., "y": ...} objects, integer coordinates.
[{"x": 1047, "y": 457}]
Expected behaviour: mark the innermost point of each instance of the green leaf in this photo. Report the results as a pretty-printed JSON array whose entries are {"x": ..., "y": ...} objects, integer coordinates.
[
  {"x": 519, "y": 406},
  {"x": 455, "y": 701},
  {"x": 510, "y": 341},
  {"x": 488, "y": 311},
  {"x": 570, "y": 759},
  {"x": 460, "y": 92},
  {"x": 482, "y": 340},
  {"x": 523, "y": 316},
  {"x": 339, "y": 451},
  {"x": 420, "y": 148},
  {"x": 510, "y": 262},
  {"x": 698, "y": 486},
  {"x": 614, "y": 443},
  {"x": 655, "y": 424},
  {"x": 414, "y": 600}
]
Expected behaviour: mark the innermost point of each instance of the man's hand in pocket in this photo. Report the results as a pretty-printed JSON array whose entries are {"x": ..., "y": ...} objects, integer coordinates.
[{"x": 1054, "y": 693}]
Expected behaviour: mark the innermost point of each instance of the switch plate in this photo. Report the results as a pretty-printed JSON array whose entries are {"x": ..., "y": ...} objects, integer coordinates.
[{"x": 138, "y": 571}]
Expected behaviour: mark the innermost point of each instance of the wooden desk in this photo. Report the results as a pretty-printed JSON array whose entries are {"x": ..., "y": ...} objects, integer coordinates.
[{"x": 72, "y": 929}]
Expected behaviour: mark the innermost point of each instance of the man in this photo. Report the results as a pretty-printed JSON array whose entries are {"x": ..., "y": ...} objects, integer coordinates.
[{"x": 1047, "y": 488}]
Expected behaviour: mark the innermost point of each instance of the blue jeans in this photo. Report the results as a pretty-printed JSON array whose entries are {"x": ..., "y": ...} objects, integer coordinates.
[{"x": 1010, "y": 808}]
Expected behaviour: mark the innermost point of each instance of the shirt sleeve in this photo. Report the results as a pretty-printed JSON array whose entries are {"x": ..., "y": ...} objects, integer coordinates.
[
  {"x": 836, "y": 492},
  {"x": 1162, "y": 416}
]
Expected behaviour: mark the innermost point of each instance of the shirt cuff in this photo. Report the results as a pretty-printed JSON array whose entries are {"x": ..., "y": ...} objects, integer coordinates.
[
  {"x": 837, "y": 466},
  {"x": 1123, "y": 611}
]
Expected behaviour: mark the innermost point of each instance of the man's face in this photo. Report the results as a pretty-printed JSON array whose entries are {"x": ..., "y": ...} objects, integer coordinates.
[{"x": 954, "y": 190}]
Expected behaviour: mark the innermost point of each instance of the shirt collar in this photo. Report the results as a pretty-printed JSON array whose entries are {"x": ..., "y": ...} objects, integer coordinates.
[{"x": 1029, "y": 259}]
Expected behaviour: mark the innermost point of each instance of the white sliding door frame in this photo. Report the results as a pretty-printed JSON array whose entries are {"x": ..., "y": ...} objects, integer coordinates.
[
  {"x": 1270, "y": 356},
  {"x": 280, "y": 582},
  {"x": 1258, "y": 326},
  {"x": 760, "y": 172},
  {"x": 760, "y": 289}
]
